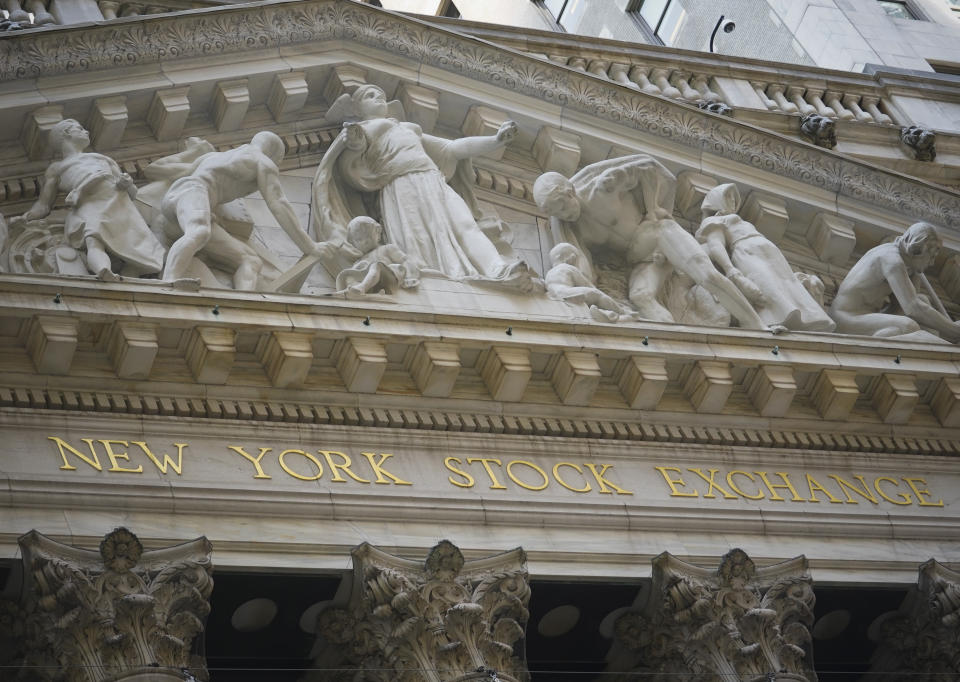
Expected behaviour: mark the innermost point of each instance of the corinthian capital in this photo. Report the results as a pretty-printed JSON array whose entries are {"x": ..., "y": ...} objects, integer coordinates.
[
  {"x": 921, "y": 639},
  {"x": 445, "y": 619},
  {"x": 736, "y": 622},
  {"x": 118, "y": 613}
]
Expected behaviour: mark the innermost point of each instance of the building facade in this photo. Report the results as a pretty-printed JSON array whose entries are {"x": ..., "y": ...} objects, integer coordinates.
[{"x": 342, "y": 344}]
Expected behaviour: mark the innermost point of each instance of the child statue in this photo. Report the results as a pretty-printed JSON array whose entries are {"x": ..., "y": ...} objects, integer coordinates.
[
  {"x": 383, "y": 267},
  {"x": 567, "y": 282}
]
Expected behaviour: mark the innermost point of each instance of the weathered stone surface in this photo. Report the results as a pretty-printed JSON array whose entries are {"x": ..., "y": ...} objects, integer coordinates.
[
  {"x": 51, "y": 342},
  {"x": 506, "y": 370},
  {"x": 361, "y": 363},
  {"x": 435, "y": 366},
  {"x": 445, "y": 619},
  {"x": 920, "y": 641},
  {"x": 739, "y": 622},
  {"x": 210, "y": 353},
  {"x": 120, "y": 613}
]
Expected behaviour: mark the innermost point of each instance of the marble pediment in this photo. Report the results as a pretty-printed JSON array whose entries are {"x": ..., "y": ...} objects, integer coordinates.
[{"x": 144, "y": 87}]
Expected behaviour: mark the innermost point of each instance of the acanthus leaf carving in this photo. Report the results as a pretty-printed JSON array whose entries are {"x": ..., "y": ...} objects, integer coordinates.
[
  {"x": 920, "y": 639},
  {"x": 739, "y": 622},
  {"x": 449, "y": 620},
  {"x": 102, "y": 616}
]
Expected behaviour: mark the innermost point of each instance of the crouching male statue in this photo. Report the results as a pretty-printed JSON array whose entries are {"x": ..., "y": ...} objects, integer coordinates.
[
  {"x": 216, "y": 178},
  {"x": 890, "y": 270},
  {"x": 626, "y": 204}
]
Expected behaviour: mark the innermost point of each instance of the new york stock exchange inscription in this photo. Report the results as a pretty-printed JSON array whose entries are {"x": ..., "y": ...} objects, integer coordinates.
[{"x": 491, "y": 473}]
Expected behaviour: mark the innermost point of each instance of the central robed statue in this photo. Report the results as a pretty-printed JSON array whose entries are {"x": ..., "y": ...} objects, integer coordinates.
[{"x": 391, "y": 170}]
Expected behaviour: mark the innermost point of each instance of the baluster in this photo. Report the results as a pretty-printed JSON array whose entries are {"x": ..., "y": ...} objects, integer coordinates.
[
  {"x": 700, "y": 83},
  {"x": 618, "y": 72},
  {"x": 131, "y": 10},
  {"x": 638, "y": 74},
  {"x": 17, "y": 12},
  {"x": 833, "y": 99},
  {"x": 578, "y": 63},
  {"x": 761, "y": 90},
  {"x": 598, "y": 67},
  {"x": 40, "y": 14},
  {"x": 157, "y": 10},
  {"x": 815, "y": 98},
  {"x": 558, "y": 58},
  {"x": 851, "y": 102},
  {"x": 775, "y": 90},
  {"x": 109, "y": 9},
  {"x": 679, "y": 79},
  {"x": 870, "y": 103},
  {"x": 659, "y": 76},
  {"x": 795, "y": 94}
]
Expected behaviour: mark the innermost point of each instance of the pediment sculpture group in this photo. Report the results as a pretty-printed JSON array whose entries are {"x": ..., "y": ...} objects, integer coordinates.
[{"x": 392, "y": 205}]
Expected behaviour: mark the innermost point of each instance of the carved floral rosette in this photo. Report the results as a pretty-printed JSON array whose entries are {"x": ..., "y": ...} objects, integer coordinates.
[
  {"x": 446, "y": 620},
  {"x": 737, "y": 622},
  {"x": 922, "y": 640},
  {"x": 117, "y": 613}
]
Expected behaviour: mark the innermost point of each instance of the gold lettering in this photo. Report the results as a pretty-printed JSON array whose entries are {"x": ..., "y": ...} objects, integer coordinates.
[
  {"x": 920, "y": 493},
  {"x": 907, "y": 499},
  {"x": 380, "y": 471},
  {"x": 604, "y": 482},
  {"x": 786, "y": 485},
  {"x": 114, "y": 456},
  {"x": 543, "y": 474},
  {"x": 734, "y": 488},
  {"x": 307, "y": 455},
  {"x": 467, "y": 477},
  {"x": 713, "y": 484},
  {"x": 864, "y": 491},
  {"x": 167, "y": 460},
  {"x": 674, "y": 482},
  {"x": 93, "y": 460},
  {"x": 556, "y": 474},
  {"x": 494, "y": 483},
  {"x": 254, "y": 460},
  {"x": 813, "y": 483},
  {"x": 344, "y": 465}
]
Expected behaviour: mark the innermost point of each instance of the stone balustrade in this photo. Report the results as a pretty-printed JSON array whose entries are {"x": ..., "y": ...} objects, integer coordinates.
[
  {"x": 701, "y": 85},
  {"x": 674, "y": 83},
  {"x": 29, "y": 13}
]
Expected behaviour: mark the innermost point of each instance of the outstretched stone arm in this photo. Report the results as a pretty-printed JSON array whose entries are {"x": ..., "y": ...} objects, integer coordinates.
[
  {"x": 48, "y": 194},
  {"x": 913, "y": 305},
  {"x": 176, "y": 165},
  {"x": 645, "y": 173},
  {"x": 268, "y": 181},
  {"x": 478, "y": 145},
  {"x": 716, "y": 246}
]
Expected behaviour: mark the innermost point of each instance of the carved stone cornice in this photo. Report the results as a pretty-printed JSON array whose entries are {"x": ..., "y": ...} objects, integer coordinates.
[
  {"x": 444, "y": 620},
  {"x": 738, "y": 622},
  {"x": 558, "y": 422},
  {"x": 279, "y": 25},
  {"x": 921, "y": 640},
  {"x": 117, "y": 613}
]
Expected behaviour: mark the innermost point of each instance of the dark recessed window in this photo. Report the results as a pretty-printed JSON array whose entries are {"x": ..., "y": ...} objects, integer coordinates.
[
  {"x": 450, "y": 10},
  {"x": 896, "y": 9},
  {"x": 663, "y": 17},
  {"x": 567, "y": 12}
]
